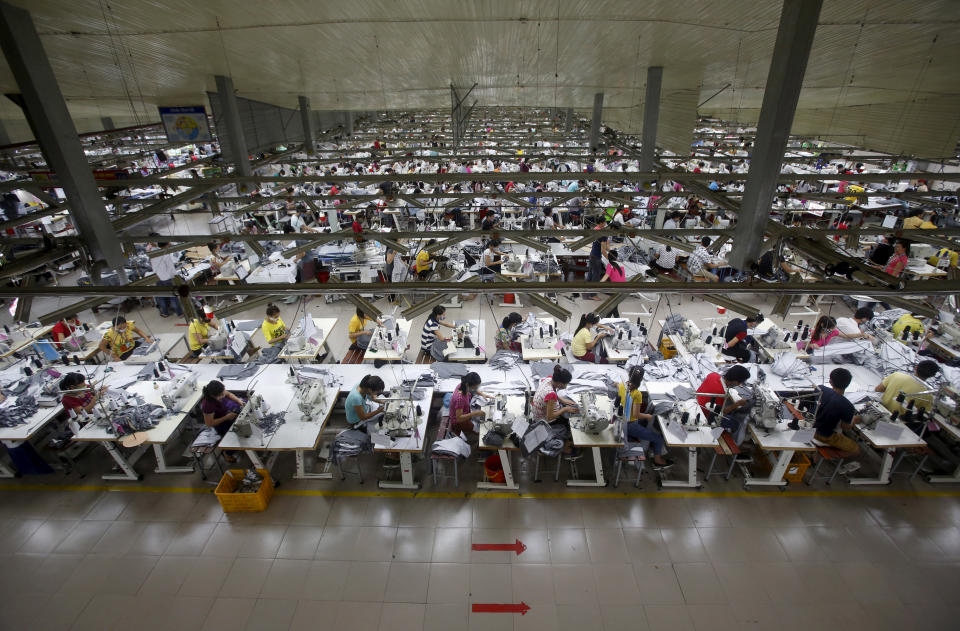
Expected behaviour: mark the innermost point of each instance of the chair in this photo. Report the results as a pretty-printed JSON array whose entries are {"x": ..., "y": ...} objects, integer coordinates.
[
  {"x": 920, "y": 454},
  {"x": 634, "y": 458},
  {"x": 826, "y": 453},
  {"x": 726, "y": 446}
]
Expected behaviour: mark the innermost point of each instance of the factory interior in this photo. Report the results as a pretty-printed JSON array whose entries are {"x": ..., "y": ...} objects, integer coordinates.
[{"x": 531, "y": 315}]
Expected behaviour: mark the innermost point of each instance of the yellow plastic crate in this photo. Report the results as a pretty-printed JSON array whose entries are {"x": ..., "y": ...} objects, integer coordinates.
[
  {"x": 233, "y": 502},
  {"x": 667, "y": 349},
  {"x": 797, "y": 468}
]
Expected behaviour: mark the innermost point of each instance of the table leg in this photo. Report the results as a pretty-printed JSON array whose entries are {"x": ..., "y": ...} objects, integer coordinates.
[
  {"x": 406, "y": 473},
  {"x": 302, "y": 474},
  {"x": 6, "y": 472},
  {"x": 163, "y": 467},
  {"x": 254, "y": 459},
  {"x": 597, "y": 469},
  {"x": 126, "y": 466},
  {"x": 776, "y": 474},
  {"x": 692, "y": 481},
  {"x": 886, "y": 465},
  {"x": 509, "y": 483}
]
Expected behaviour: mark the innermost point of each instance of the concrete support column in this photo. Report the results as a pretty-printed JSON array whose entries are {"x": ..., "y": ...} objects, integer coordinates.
[
  {"x": 595, "y": 123},
  {"x": 4, "y": 136},
  {"x": 306, "y": 121},
  {"x": 231, "y": 127},
  {"x": 348, "y": 122},
  {"x": 798, "y": 24},
  {"x": 52, "y": 126},
  {"x": 107, "y": 123},
  {"x": 568, "y": 122},
  {"x": 651, "y": 116}
]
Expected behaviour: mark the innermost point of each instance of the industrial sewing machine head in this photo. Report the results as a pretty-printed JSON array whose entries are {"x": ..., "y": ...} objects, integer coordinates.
[
  {"x": 387, "y": 336},
  {"x": 172, "y": 392},
  {"x": 692, "y": 337},
  {"x": 311, "y": 399},
  {"x": 946, "y": 401},
  {"x": 462, "y": 335},
  {"x": 774, "y": 338},
  {"x": 766, "y": 406},
  {"x": 512, "y": 263},
  {"x": 219, "y": 338},
  {"x": 630, "y": 338},
  {"x": 542, "y": 337},
  {"x": 399, "y": 418},
  {"x": 951, "y": 332},
  {"x": 596, "y": 413},
  {"x": 246, "y": 423}
]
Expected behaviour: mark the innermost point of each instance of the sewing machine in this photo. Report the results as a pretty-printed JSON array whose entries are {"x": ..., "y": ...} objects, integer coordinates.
[
  {"x": 387, "y": 337},
  {"x": 496, "y": 415},
  {"x": 311, "y": 399},
  {"x": 246, "y": 424},
  {"x": 542, "y": 337},
  {"x": 692, "y": 337},
  {"x": 872, "y": 413},
  {"x": 774, "y": 338},
  {"x": 766, "y": 406},
  {"x": 219, "y": 338},
  {"x": 179, "y": 388},
  {"x": 595, "y": 414},
  {"x": 512, "y": 263},
  {"x": 629, "y": 338},
  {"x": 462, "y": 333},
  {"x": 399, "y": 417}
]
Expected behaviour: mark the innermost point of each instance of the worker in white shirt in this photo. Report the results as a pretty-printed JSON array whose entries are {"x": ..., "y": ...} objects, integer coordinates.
[
  {"x": 849, "y": 328},
  {"x": 665, "y": 259},
  {"x": 165, "y": 268}
]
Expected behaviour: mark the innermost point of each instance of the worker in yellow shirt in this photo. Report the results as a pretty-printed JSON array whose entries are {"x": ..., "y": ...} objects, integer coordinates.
[
  {"x": 357, "y": 330},
  {"x": 898, "y": 382},
  {"x": 274, "y": 330},
  {"x": 118, "y": 342},
  {"x": 198, "y": 334},
  {"x": 423, "y": 264}
]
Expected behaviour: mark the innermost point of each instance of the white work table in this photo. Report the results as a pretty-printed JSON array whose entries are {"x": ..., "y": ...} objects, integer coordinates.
[
  {"x": 780, "y": 439},
  {"x": 19, "y": 339},
  {"x": 477, "y": 336},
  {"x": 610, "y": 436},
  {"x": 310, "y": 350},
  {"x": 515, "y": 405},
  {"x": 393, "y": 354},
  {"x": 166, "y": 342},
  {"x": 409, "y": 445},
  {"x": 156, "y": 437},
  {"x": 689, "y": 437},
  {"x": 887, "y": 445},
  {"x": 536, "y": 354},
  {"x": 954, "y": 432},
  {"x": 297, "y": 433}
]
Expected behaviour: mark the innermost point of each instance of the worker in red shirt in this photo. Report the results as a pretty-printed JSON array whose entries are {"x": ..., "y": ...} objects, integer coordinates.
[{"x": 715, "y": 391}]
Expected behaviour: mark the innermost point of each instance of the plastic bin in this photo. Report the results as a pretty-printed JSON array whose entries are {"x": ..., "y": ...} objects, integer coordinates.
[
  {"x": 233, "y": 502},
  {"x": 509, "y": 299},
  {"x": 797, "y": 468},
  {"x": 493, "y": 469},
  {"x": 667, "y": 348}
]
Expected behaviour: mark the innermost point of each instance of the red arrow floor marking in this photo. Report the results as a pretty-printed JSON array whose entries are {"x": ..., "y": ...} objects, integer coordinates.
[
  {"x": 521, "y": 608},
  {"x": 517, "y": 547}
]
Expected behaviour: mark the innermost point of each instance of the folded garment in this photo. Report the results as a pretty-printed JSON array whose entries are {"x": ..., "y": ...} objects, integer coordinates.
[{"x": 238, "y": 371}]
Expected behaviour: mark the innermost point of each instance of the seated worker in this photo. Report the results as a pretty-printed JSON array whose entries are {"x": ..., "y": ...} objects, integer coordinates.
[
  {"x": 77, "y": 394},
  {"x": 547, "y": 404},
  {"x": 834, "y": 414},
  {"x": 584, "y": 339},
  {"x": 665, "y": 259},
  {"x": 274, "y": 330},
  {"x": 673, "y": 221},
  {"x": 461, "y": 415},
  {"x": 898, "y": 260},
  {"x": 849, "y": 328},
  {"x": 492, "y": 258},
  {"x": 640, "y": 425},
  {"x": 907, "y": 323},
  {"x": 714, "y": 391},
  {"x": 768, "y": 267},
  {"x": 423, "y": 264},
  {"x": 118, "y": 341},
  {"x": 823, "y": 331},
  {"x": 914, "y": 219},
  {"x": 62, "y": 333},
  {"x": 504, "y": 340},
  {"x": 356, "y": 408},
  {"x": 430, "y": 332},
  {"x": 895, "y": 383},
  {"x": 357, "y": 330},
  {"x": 220, "y": 409},
  {"x": 881, "y": 252},
  {"x": 198, "y": 334},
  {"x": 698, "y": 263},
  {"x": 737, "y": 343}
]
